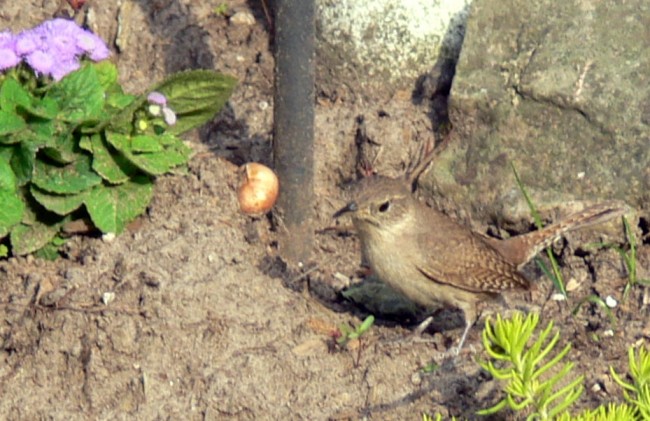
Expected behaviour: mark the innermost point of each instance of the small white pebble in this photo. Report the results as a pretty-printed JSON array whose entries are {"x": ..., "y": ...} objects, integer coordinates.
[
  {"x": 608, "y": 333},
  {"x": 558, "y": 297},
  {"x": 581, "y": 175},
  {"x": 610, "y": 301},
  {"x": 263, "y": 105},
  {"x": 210, "y": 258},
  {"x": 108, "y": 237},
  {"x": 416, "y": 379},
  {"x": 108, "y": 297},
  {"x": 572, "y": 285},
  {"x": 596, "y": 388},
  {"x": 243, "y": 18}
]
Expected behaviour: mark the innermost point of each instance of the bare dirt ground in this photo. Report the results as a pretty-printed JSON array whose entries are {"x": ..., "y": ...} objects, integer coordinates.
[{"x": 199, "y": 327}]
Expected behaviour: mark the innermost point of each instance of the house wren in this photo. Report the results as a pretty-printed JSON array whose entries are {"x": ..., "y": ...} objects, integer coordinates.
[{"x": 431, "y": 259}]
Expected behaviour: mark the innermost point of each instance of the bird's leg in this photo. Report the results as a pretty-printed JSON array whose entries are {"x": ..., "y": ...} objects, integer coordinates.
[
  {"x": 468, "y": 325},
  {"x": 471, "y": 315}
]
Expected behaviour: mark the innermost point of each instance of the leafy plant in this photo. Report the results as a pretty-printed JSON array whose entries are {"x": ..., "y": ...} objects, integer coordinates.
[
  {"x": 629, "y": 258},
  {"x": 554, "y": 273},
  {"x": 348, "y": 333},
  {"x": 532, "y": 385},
  {"x": 637, "y": 393},
  {"x": 221, "y": 9},
  {"x": 74, "y": 145},
  {"x": 549, "y": 396},
  {"x": 609, "y": 412}
]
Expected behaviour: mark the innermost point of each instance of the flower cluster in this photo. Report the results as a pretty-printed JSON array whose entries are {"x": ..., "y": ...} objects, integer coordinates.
[
  {"x": 158, "y": 106},
  {"x": 52, "y": 48}
]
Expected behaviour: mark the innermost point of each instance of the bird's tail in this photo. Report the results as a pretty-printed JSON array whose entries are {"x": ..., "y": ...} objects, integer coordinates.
[{"x": 522, "y": 248}]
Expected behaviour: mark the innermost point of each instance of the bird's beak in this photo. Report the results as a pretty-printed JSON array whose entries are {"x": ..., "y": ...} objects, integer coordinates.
[{"x": 350, "y": 207}]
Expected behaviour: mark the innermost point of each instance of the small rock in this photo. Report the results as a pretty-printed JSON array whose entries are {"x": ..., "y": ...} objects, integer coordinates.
[
  {"x": 572, "y": 285},
  {"x": 340, "y": 281},
  {"x": 243, "y": 18},
  {"x": 610, "y": 301},
  {"x": 108, "y": 237},
  {"x": 608, "y": 333},
  {"x": 416, "y": 378},
  {"x": 596, "y": 388},
  {"x": 108, "y": 297},
  {"x": 558, "y": 297}
]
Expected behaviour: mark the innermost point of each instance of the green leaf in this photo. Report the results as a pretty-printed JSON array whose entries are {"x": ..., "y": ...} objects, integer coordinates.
[
  {"x": 106, "y": 73},
  {"x": 12, "y": 206},
  {"x": 196, "y": 96},
  {"x": 158, "y": 163},
  {"x": 62, "y": 149},
  {"x": 22, "y": 162},
  {"x": 67, "y": 179},
  {"x": 79, "y": 95},
  {"x": 11, "y": 211},
  {"x": 42, "y": 131},
  {"x": 45, "y": 108},
  {"x": 85, "y": 144},
  {"x": 50, "y": 251},
  {"x": 144, "y": 143},
  {"x": 10, "y": 123},
  {"x": 13, "y": 94},
  {"x": 61, "y": 204},
  {"x": 39, "y": 132},
  {"x": 155, "y": 163},
  {"x": 7, "y": 177},
  {"x": 110, "y": 164},
  {"x": 27, "y": 239},
  {"x": 111, "y": 208},
  {"x": 118, "y": 99}
]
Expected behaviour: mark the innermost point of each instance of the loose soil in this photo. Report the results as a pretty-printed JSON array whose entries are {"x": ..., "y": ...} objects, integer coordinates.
[{"x": 189, "y": 314}]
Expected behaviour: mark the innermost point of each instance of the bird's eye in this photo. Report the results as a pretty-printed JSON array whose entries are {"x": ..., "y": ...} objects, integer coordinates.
[{"x": 384, "y": 206}]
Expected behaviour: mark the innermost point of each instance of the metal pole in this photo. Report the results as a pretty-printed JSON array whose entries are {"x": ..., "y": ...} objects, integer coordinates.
[{"x": 293, "y": 144}]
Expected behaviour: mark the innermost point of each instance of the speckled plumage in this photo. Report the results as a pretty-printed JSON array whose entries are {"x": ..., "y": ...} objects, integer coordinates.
[{"x": 432, "y": 259}]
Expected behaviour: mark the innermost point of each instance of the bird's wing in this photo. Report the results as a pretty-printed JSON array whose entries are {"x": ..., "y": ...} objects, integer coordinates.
[{"x": 459, "y": 258}]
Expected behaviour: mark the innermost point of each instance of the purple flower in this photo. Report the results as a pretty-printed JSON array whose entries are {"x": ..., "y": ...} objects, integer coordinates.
[
  {"x": 157, "y": 98},
  {"x": 62, "y": 68},
  {"x": 60, "y": 35},
  {"x": 52, "y": 48},
  {"x": 159, "y": 106},
  {"x": 93, "y": 45},
  {"x": 6, "y": 37},
  {"x": 8, "y": 56},
  {"x": 27, "y": 42},
  {"x": 70, "y": 39},
  {"x": 41, "y": 62},
  {"x": 100, "y": 52},
  {"x": 169, "y": 115}
]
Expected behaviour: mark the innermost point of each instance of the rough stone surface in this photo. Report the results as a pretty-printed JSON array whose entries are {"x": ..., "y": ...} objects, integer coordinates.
[
  {"x": 559, "y": 89},
  {"x": 374, "y": 47}
]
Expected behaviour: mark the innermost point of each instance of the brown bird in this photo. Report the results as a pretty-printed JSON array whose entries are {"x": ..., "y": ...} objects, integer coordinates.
[{"x": 431, "y": 259}]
